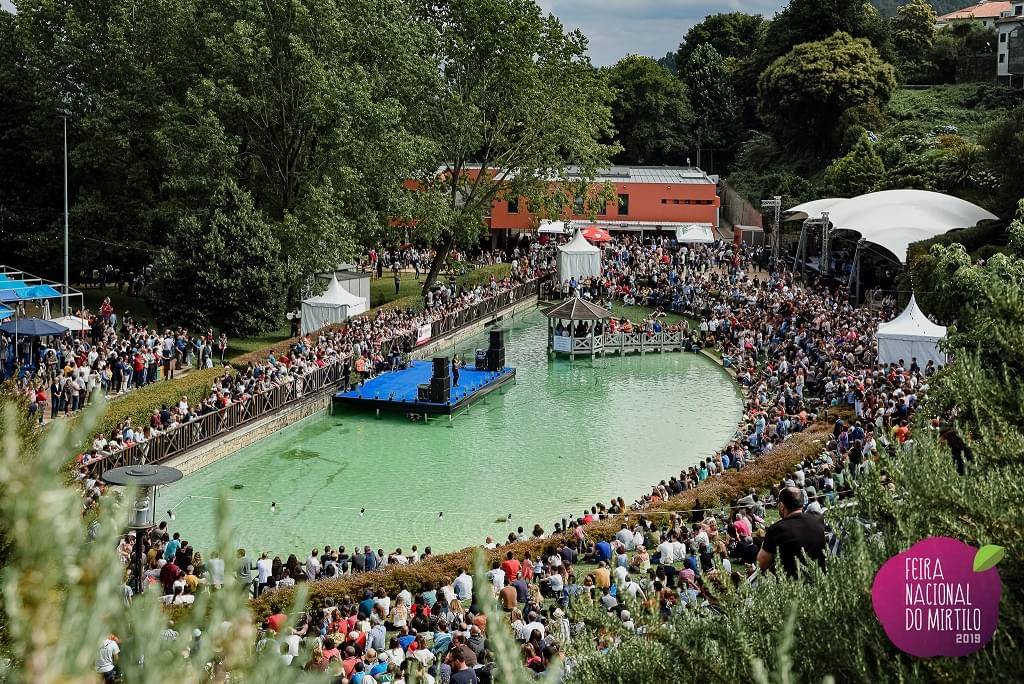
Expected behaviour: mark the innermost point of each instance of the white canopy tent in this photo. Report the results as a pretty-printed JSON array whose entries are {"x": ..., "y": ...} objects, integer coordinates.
[
  {"x": 554, "y": 228},
  {"x": 910, "y": 335},
  {"x": 334, "y": 306},
  {"x": 696, "y": 233},
  {"x": 578, "y": 259}
]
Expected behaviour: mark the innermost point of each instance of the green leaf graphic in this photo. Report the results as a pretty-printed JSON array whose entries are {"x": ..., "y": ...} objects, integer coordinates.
[{"x": 988, "y": 557}]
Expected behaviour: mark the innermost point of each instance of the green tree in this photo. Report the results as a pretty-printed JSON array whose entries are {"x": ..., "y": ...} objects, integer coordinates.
[
  {"x": 804, "y": 94},
  {"x": 520, "y": 114},
  {"x": 713, "y": 100},
  {"x": 857, "y": 172},
  {"x": 224, "y": 269},
  {"x": 731, "y": 34},
  {"x": 913, "y": 31},
  {"x": 316, "y": 93},
  {"x": 669, "y": 62},
  {"x": 804, "y": 21},
  {"x": 651, "y": 112},
  {"x": 1004, "y": 153}
]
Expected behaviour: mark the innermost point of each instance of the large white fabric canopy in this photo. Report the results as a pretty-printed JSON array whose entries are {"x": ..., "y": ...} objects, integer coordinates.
[
  {"x": 893, "y": 219},
  {"x": 696, "y": 233},
  {"x": 910, "y": 335},
  {"x": 334, "y": 306},
  {"x": 578, "y": 259}
]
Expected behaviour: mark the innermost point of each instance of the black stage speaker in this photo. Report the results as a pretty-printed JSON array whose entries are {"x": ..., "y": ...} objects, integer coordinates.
[
  {"x": 481, "y": 358},
  {"x": 440, "y": 390},
  {"x": 497, "y": 338},
  {"x": 495, "y": 359},
  {"x": 441, "y": 365},
  {"x": 423, "y": 392}
]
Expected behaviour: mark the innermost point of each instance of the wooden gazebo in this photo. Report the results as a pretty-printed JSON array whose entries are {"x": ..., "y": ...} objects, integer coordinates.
[{"x": 576, "y": 326}]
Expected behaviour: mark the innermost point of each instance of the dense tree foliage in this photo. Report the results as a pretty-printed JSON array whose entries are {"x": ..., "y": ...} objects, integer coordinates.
[
  {"x": 913, "y": 31},
  {"x": 524, "y": 113},
  {"x": 225, "y": 254},
  {"x": 857, "y": 172},
  {"x": 805, "y": 93},
  {"x": 651, "y": 112},
  {"x": 733, "y": 34},
  {"x": 716, "y": 121}
]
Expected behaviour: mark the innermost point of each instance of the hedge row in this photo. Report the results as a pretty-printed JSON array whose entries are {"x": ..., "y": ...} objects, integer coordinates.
[
  {"x": 138, "y": 404},
  {"x": 714, "y": 492}
]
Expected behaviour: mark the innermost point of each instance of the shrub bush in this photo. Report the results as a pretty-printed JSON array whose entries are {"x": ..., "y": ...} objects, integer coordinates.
[{"x": 139, "y": 404}]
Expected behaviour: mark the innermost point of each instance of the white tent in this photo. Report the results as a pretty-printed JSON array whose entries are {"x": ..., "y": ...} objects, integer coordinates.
[
  {"x": 333, "y": 306},
  {"x": 553, "y": 228},
  {"x": 910, "y": 335},
  {"x": 892, "y": 219},
  {"x": 696, "y": 233},
  {"x": 578, "y": 259}
]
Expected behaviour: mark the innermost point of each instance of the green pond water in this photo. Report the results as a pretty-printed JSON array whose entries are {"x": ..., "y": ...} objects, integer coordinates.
[{"x": 565, "y": 436}]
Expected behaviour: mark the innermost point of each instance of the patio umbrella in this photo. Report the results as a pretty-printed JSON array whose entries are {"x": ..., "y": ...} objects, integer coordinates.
[
  {"x": 595, "y": 234},
  {"x": 33, "y": 327}
]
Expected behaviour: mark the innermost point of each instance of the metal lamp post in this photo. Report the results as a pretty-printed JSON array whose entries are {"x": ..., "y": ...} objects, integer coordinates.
[
  {"x": 144, "y": 479},
  {"x": 67, "y": 281}
]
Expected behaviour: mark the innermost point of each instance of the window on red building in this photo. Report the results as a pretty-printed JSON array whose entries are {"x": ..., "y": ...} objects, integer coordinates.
[
  {"x": 513, "y": 206},
  {"x": 623, "y": 205}
]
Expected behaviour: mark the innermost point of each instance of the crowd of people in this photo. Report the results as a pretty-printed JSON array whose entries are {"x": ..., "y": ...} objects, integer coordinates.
[
  {"x": 364, "y": 347},
  {"x": 799, "y": 351}
]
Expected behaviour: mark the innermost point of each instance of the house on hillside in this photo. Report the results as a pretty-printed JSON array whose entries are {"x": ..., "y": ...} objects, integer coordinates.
[
  {"x": 985, "y": 12},
  {"x": 1011, "y": 45}
]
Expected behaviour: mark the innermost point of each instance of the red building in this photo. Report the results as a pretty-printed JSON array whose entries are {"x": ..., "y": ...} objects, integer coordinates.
[{"x": 649, "y": 199}]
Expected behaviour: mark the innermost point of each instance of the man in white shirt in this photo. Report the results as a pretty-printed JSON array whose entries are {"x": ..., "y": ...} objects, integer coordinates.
[
  {"x": 632, "y": 589},
  {"x": 313, "y": 565},
  {"x": 666, "y": 553},
  {"x": 497, "y": 577},
  {"x": 106, "y": 658},
  {"x": 463, "y": 586},
  {"x": 263, "y": 568}
]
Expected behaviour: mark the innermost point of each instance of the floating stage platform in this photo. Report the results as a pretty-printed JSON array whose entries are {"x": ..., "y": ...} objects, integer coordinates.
[{"x": 399, "y": 390}]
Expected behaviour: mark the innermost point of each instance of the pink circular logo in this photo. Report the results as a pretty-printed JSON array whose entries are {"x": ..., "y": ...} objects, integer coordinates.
[{"x": 939, "y": 598}]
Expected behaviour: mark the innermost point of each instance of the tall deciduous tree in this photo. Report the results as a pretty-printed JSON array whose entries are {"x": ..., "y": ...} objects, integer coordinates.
[
  {"x": 316, "y": 93},
  {"x": 518, "y": 103},
  {"x": 713, "y": 100},
  {"x": 805, "y": 93},
  {"x": 651, "y": 112},
  {"x": 732, "y": 34},
  {"x": 913, "y": 30}
]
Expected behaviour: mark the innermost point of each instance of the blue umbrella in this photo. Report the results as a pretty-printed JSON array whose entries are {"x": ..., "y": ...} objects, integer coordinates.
[{"x": 33, "y": 327}]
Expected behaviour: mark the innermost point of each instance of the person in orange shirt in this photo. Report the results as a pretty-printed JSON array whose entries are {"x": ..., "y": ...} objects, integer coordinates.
[
  {"x": 602, "y": 575},
  {"x": 902, "y": 432}
]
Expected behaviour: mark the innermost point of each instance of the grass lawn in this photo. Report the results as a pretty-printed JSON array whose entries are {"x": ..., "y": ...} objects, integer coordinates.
[{"x": 137, "y": 307}]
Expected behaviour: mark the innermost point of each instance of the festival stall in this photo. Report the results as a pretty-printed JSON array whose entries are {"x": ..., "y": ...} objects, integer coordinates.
[
  {"x": 910, "y": 335},
  {"x": 697, "y": 233},
  {"x": 335, "y": 305},
  {"x": 578, "y": 259}
]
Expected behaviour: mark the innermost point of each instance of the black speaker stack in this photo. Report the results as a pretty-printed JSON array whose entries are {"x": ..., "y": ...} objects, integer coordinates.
[
  {"x": 441, "y": 381},
  {"x": 496, "y": 351}
]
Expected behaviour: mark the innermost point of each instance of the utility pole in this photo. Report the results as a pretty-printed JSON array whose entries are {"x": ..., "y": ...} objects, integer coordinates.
[{"x": 67, "y": 281}]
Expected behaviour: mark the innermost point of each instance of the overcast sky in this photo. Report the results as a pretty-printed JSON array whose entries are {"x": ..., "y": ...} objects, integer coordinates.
[{"x": 644, "y": 27}]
